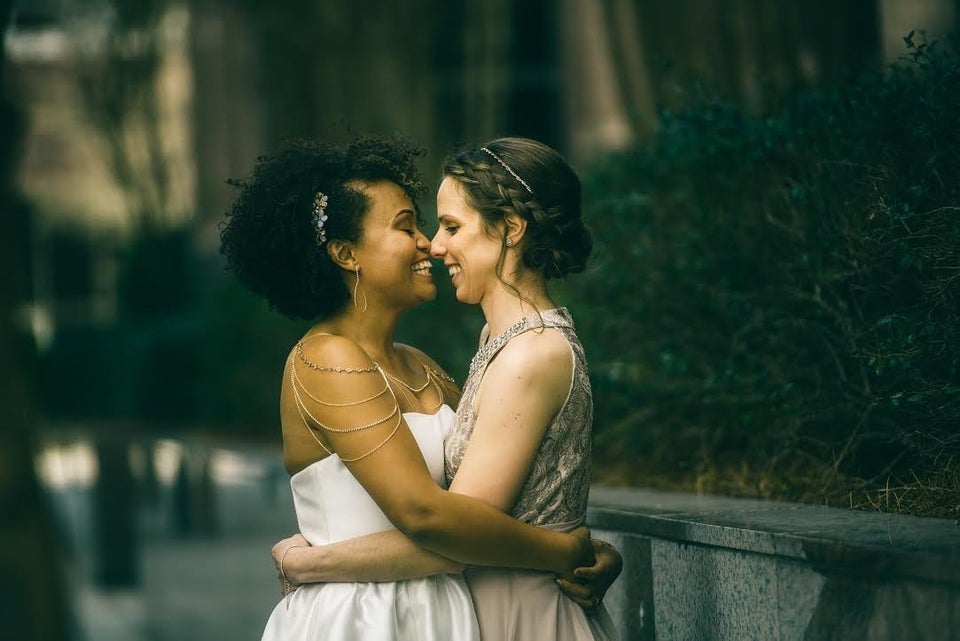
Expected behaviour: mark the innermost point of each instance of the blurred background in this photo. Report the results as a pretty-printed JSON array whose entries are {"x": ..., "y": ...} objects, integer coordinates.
[{"x": 772, "y": 309}]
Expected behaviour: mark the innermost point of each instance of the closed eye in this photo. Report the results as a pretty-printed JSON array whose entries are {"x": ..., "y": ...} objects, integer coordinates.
[{"x": 407, "y": 221}]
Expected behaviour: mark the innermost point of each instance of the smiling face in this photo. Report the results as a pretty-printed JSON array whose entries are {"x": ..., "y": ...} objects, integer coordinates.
[
  {"x": 393, "y": 253},
  {"x": 469, "y": 251}
]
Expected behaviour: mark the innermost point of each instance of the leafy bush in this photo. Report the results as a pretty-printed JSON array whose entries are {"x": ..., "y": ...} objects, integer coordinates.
[{"x": 776, "y": 309}]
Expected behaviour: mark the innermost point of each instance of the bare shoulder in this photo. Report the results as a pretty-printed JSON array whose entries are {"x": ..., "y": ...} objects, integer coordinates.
[
  {"x": 547, "y": 348},
  {"x": 533, "y": 369},
  {"x": 330, "y": 352},
  {"x": 537, "y": 359}
]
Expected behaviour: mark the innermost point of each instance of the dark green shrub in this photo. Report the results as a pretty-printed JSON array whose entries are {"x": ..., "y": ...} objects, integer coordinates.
[{"x": 776, "y": 308}]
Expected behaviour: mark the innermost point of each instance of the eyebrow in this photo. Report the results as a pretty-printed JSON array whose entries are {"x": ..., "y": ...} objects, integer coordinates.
[{"x": 404, "y": 212}]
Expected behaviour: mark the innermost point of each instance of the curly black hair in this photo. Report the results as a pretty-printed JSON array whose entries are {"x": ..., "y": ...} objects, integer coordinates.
[
  {"x": 268, "y": 237},
  {"x": 557, "y": 242}
]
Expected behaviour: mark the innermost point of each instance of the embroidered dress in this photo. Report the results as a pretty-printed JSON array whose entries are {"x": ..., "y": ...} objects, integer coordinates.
[
  {"x": 331, "y": 506},
  {"x": 522, "y": 605}
]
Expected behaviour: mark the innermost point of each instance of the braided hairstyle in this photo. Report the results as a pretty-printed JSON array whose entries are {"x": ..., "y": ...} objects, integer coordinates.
[
  {"x": 556, "y": 241},
  {"x": 269, "y": 238}
]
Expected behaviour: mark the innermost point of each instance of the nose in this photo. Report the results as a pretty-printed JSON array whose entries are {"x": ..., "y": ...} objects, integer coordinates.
[
  {"x": 423, "y": 243},
  {"x": 437, "y": 249}
]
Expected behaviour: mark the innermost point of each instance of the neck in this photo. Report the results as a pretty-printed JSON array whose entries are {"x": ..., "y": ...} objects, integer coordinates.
[
  {"x": 372, "y": 329},
  {"x": 502, "y": 307}
]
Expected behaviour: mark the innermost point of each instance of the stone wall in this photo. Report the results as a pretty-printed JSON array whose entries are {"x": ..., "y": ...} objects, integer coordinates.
[{"x": 711, "y": 568}]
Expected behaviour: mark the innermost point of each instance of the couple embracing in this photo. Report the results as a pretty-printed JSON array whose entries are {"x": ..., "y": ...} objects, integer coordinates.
[{"x": 427, "y": 512}]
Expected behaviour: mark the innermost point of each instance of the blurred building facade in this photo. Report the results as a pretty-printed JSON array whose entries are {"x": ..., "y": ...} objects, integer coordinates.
[{"x": 138, "y": 112}]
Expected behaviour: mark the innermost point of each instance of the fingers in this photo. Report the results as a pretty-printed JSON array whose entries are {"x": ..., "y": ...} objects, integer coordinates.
[
  {"x": 602, "y": 563},
  {"x": 608, "y": 565},
  {"x": 580, "y": 594},
  {"x": 590, "y": 572},
  {"x": 277, "y": 553},
  {"x": 575, "y": 590},
  {"x": 281, "y": 546},
  {"x": 277, "y": 550},
  {"x": 299, "y": 539},
  {"x": 295, "y": 539}
]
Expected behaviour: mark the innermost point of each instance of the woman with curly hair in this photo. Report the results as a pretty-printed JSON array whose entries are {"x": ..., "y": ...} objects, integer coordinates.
[
  {"x": 510, "y": 220},
  {"x": 331, "y": 235}
]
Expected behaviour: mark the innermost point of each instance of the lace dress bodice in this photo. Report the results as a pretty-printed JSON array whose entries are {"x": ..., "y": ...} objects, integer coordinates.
[{"x": 558, "y": 485}]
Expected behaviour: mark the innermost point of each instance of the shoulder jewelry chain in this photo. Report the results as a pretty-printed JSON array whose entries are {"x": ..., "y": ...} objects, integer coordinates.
[
  {"x": 304, "y": 412},
  {"x": 415, "y": 390},
  {"x": 328, "y": 368}
]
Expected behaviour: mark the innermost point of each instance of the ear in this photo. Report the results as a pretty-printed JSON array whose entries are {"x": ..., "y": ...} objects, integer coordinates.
[
  {"x": 515, "y": 227},
  {"x": 341, "y": 254}
]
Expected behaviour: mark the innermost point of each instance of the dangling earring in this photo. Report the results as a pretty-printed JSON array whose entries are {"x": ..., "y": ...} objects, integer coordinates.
[{"x": 356, "y": 270}]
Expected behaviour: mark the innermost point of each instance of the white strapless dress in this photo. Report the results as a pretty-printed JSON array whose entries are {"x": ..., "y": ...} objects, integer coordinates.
[{"x": 332, "y": 506}]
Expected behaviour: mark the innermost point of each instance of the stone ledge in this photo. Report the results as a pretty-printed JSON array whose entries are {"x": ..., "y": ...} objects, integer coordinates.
[{"x": 831, "y": 540}]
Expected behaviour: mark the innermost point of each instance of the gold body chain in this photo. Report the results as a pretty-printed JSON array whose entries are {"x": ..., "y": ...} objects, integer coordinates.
[{"x": 432, "y": 376}]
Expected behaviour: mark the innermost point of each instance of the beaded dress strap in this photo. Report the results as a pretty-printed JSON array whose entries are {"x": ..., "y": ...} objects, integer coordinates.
[{"x": 559, "y": 319}]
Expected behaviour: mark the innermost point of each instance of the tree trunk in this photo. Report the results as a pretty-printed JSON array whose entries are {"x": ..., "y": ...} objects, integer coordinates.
[{"x": 33, "y": 604}]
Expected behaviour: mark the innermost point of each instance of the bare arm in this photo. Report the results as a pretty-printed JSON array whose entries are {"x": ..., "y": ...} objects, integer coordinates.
[
  {"x": 391, "y": 556},
  {"x": 522, "y": 390},
  {"x": 384, "y": 556},
  {"x": 589, "y": 585},
  {"x": 364, "y": 427}
]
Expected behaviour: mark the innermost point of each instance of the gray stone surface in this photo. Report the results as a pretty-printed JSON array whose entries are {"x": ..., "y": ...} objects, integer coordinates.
[
  {"x": 885, "y": 545},
  {"x": 631, "y": 598},
  {"x": 729, "y": 569},
  {"x": 798, "y": 590},
  {"x": 705, "y": 594}
]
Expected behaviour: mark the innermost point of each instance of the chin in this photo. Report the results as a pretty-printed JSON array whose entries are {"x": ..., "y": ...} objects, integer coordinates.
[
  {"x": 426, "y": 297},
  {"x": 466, "y": 299}
]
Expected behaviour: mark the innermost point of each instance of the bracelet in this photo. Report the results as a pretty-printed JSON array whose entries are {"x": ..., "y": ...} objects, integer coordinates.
[{"x": 283, "y": 574}]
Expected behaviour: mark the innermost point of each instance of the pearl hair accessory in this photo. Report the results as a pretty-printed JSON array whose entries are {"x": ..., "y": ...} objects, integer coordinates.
[{"x": 320, "y": 216}]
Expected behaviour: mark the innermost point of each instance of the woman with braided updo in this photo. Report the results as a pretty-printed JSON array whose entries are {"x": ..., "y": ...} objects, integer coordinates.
[
  {"x": 510, "y": 220},
  {"x": 331, "y": 235}
]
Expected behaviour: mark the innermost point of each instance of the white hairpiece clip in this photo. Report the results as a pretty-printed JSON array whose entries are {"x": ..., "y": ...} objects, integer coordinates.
[
  {"x": 320, "y": 216},
  {"x": 509, "y": 170}
]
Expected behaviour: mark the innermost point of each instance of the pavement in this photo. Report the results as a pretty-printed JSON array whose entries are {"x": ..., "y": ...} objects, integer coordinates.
[
  {"x": 191, "y": 591},
  {"x": 215, "y": 582}
]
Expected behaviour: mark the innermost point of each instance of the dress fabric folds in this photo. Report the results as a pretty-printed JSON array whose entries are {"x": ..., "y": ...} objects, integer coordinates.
[{"x": 331, "y": 506}]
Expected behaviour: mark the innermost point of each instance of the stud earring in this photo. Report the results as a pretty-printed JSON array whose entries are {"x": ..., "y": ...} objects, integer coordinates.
[{"x": 508, "y": 242}]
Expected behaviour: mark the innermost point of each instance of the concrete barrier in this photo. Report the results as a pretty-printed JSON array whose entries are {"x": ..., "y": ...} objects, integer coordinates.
[{"x": 709, "y": 568}]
